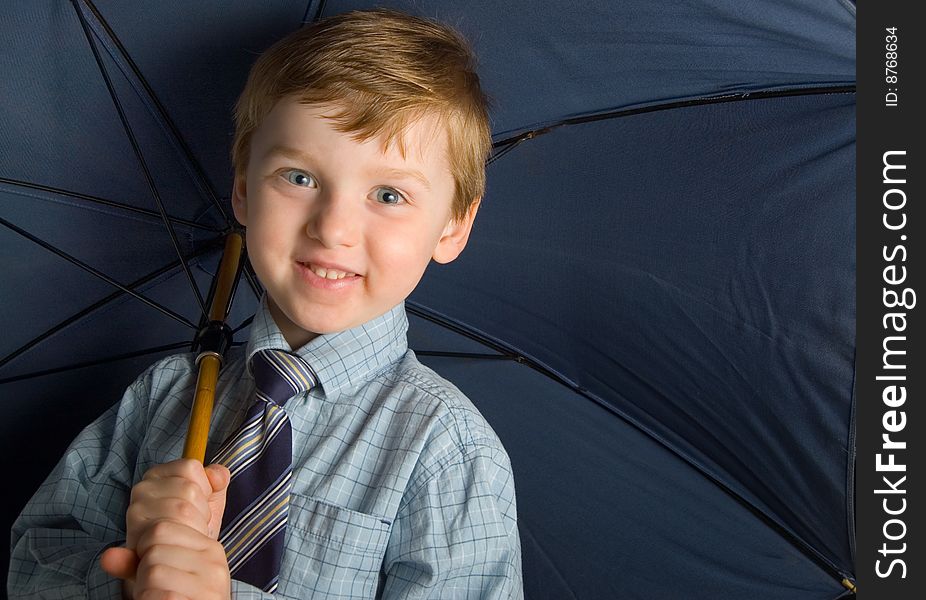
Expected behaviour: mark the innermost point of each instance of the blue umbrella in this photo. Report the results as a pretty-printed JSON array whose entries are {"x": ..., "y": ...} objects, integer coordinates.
[{"x": 655, "y": 311}]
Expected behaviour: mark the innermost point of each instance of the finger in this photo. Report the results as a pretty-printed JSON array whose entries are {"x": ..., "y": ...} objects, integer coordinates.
[
  {"x": 153, "y": 496},
  {"x": 169, "y": 487},
  {"x": 172, "y": 583},
  {"x": 120, "y": 563},
  {"x": 219, "y": 477},
  {"x": 184, "y": 558},
  {"x": 140, "y": 516},
  {"x": 179, "y": 490},
  {"x": 159, "y": 595},
  {"x": 191, "y": 573},
  {"x": 185, "y": 468},
  {"x": 171, "y": 533}
]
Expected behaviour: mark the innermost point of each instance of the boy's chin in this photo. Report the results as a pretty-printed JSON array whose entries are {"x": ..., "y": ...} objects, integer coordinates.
[
  {"x": 300, "y": 327},
  {"x": 299, "y": 330},
  {"x": 296, "y": 331}
]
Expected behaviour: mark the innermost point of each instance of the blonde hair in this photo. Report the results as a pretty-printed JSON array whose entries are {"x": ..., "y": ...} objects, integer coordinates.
[{"x": 384, "y": 70}]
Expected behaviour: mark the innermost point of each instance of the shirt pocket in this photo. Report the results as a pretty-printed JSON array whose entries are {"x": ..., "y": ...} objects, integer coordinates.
[{"x": 332, "y": 551}]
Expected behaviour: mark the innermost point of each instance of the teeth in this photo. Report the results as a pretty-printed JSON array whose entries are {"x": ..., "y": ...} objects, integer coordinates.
[{"x": 329, "y": 273}]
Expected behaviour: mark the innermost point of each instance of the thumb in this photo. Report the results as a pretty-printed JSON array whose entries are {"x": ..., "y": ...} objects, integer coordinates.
[
  {"x": 120, "y": 563},
  {"x": 218, "y": 476}
]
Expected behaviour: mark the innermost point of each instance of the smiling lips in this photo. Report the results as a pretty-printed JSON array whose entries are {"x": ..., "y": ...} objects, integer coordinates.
[{"x": 327, "y": 273}]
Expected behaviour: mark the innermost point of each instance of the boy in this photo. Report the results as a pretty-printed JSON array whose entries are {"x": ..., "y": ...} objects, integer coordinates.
[{"x": 359, "y": 156}]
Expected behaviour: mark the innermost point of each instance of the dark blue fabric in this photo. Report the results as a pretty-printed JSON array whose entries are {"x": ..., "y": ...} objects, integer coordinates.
[
  {"x": 606, "y": 512},
  {"x": 542, "y": 62},
  {"x": 694, "y": 270},
  {"x": 688, "y": 272}
]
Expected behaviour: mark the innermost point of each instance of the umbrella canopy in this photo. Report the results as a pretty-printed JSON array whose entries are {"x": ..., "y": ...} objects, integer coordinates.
[{"x": 655, "y": 311}]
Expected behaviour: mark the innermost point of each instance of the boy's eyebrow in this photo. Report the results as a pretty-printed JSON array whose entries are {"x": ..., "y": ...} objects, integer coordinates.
[
  {"x": 295, "y": 154},
  {"x": 406, "y": 173},
  {"x": 288, "y": 153}
]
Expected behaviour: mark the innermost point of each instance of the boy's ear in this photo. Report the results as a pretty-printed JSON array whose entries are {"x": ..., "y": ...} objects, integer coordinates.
[
  {"x": 455, "y": 235},
  {"x": 239, "y": 199}
]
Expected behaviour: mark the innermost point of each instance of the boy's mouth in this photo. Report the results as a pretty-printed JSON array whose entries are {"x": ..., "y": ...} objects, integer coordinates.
[{"x": 327, "y": 272}]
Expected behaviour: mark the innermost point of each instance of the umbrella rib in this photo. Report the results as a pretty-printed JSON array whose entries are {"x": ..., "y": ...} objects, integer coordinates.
[
  {"x": 93, "y": 363},
  {"x": 93, "y": 307},
  {"x": 318, "y": 13},
  {"x": 438, "y": 319},
  {"x": 255, "y": 288},
  {"x": 444, "y": 321},
  {"x": 474, "y": 355},
  {"x": 141, "y": 159},
  {"x": 100, "y": 361},
  {"x": 252, "y": 280},
  {"x": 506, "y": 148},
  {"x": 199, "y": 173},
  {"x": 99, "y": 274},
  {"x": 104, "y": 202},
  {"x": 244, "y": 324},
  {"x": 627, "y": 112},
  {"x": 525, "y": 529}
]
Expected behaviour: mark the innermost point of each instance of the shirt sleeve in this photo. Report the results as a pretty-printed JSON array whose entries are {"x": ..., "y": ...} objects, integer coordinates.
[
  {"x": 79, "y": 510},
  {"x": 456, "y": 534}
]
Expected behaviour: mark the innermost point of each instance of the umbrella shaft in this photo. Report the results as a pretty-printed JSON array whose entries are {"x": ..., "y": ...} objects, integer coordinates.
[{"x": 198, "y": 430}]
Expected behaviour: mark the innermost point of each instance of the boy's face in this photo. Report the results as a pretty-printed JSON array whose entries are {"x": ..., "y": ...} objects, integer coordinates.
[{"x": 340, "y": 231}]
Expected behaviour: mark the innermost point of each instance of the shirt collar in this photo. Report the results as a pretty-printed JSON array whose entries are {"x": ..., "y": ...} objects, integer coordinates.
[{"x": 343, "y": 359}]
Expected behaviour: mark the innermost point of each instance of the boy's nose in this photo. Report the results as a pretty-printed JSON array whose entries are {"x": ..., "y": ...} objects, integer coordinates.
[{"x": 334, "y": 221}]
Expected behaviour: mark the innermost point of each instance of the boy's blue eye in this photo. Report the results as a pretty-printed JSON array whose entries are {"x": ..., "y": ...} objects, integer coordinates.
[
  {"x": 388, "y": 196},
  {"x": 300, "y": 178}
]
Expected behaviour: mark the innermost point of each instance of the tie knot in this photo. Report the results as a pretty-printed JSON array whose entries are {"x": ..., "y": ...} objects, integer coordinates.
[{"x": 280, "y": 375}]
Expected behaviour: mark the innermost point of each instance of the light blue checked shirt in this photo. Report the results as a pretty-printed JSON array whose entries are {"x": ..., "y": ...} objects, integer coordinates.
[{"x": 401, "y": 489}]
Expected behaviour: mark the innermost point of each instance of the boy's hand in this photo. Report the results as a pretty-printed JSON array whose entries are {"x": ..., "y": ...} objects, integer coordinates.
[
  {"x": 177, "y": 561},
  {"x": 182, "y": 491},
  {"x": 177, "y": 494}
]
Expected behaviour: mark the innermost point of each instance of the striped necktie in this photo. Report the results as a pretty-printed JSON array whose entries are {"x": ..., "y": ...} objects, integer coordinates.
[{"x": 259, "y": 455}]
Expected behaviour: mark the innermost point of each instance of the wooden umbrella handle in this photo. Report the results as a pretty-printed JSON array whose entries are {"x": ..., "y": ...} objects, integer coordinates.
[
  {"x": 210, "y": 361},
  {"x": 197, "y": 434}
]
